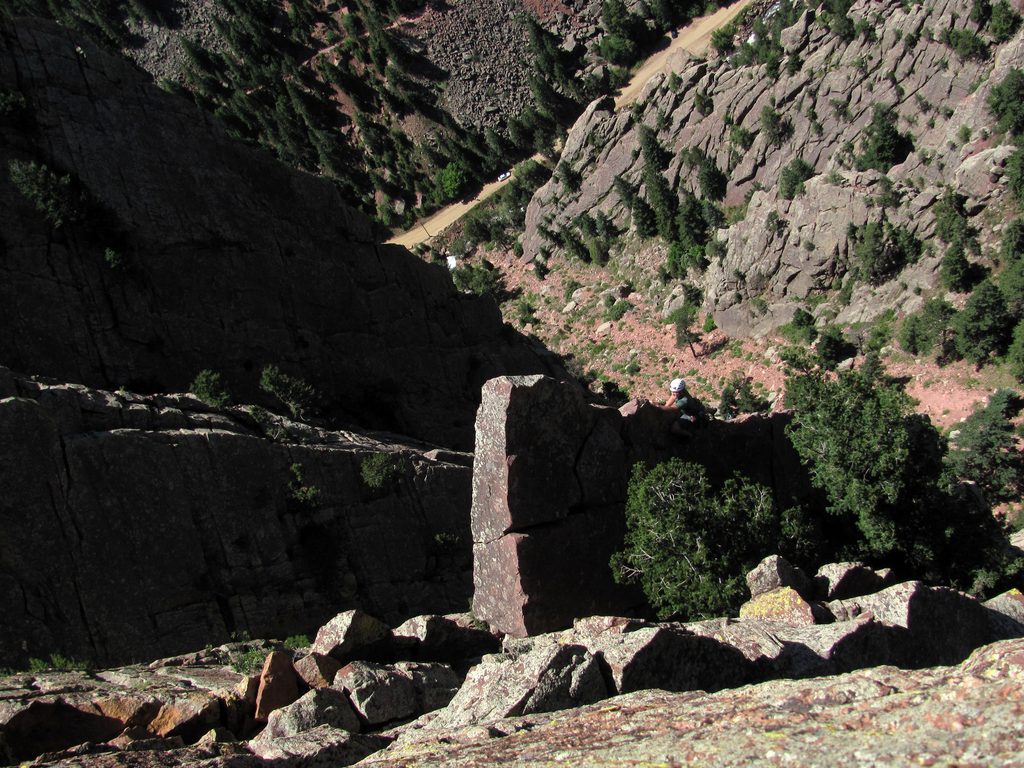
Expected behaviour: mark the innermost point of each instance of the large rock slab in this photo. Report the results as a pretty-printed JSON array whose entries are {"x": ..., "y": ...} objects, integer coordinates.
[
  {"x": 1006, "y": 614},
  {"x": 320, "y": 747},
  {"x": 544, "y": 677},
  {"x": 940, "y": 625},
  {"x": 323, "y": 706},
  {"x": 279, "y": 684},
  {"x": 669, "y": 658},
  {"x": 349, "y": 633},
  {"x": 775, "y": 572},
  {"x": 841, "y": 581},
  {"x": 451, "y": 639},
  {"x": 380, "y": 694}
]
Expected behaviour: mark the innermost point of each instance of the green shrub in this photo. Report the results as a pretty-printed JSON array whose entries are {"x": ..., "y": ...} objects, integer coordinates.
[
  {"x": 883, "y": 146},
  {"x": 800, "y": 329},
  {"x": 1006, "y": 102},
  {"x": 481, "y": 279},
  {"x": 296, "y": 642},
  {"x": 689, "y": 547},
  {"x": 951, "y": 223},
  {"x": 1004, "y": 23},
  {"x": 249, "y": 662},
  {"x": 793, "y": 176},
  {"x": 881, "y": 468},
  {"x": 832, "y": 347},
  {"x": 967, "y": 44},
  {"x": 881, "y": 250},
  {"x": 932, "y": 325},
  {"x": 983, "y": 327},
  {"x": 57, "y": 663},
  {"x": 776, "y": 129},
  {"x": 378, "y": 470},
  {"x": 295, "y": 394},
  {"x": 738, "y": 396},
  {"x": 52, "y": 195},
  {"x": 985, "y": 450},
  {"x": 617, "y": 310},
  {"x": 209, "y": 387},
  {"x": 956, "y": 271},
  {"x": 741, "y": 137},
  {"x": 303, "y": 496},
  {"x": 1015, "y": 354}
]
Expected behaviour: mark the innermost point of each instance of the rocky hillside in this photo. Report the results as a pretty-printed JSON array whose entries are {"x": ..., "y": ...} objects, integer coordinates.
[
  {"x": 728, "y": 126},
  {"x": 141, "y": 246}
]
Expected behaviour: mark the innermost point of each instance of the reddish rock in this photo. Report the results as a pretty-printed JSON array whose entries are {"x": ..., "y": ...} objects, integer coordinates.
[
  {"x": 673, "y": 659},
  {"x": 775, "y": 572},
  {"x": 1006, "y": 614},
  {"x": 279, "y": 685},
  {"x": 452, "y": 638},
  {"x": 133, "y": 711},
  {"x": 380, "y": 694},
  {"x": 548, "y": 677},
  {"x": 188, "y": 716},
  {"x": 321, "y": 706},
  {"x": 970, "y": 713},
  {"x": 842, "y": 581},
  {"x": 435, "y": 685},
  {"x": 937, "y": 625},
  {"x": 317, "y": 670},
  {"x": 783, "y": 605},
  {"x": 51, "y": 726},
  {"x": 320, "y": 747},
  {"x": 348, "y": 634}
]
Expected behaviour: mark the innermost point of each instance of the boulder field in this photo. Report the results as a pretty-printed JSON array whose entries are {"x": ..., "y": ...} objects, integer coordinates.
[{"x": 445, "y": 690}]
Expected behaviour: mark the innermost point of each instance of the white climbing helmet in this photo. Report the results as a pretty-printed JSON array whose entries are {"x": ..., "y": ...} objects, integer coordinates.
[{"x": 677, "y": 385}]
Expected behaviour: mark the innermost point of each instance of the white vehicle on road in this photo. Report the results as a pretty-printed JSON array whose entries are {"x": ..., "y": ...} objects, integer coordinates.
[{"x": 504, "y": 175}]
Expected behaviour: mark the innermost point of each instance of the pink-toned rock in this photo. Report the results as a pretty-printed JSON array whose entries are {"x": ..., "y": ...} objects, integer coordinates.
[
  {"x": 673, "y": 659},
  {"x": 320, "y": 706},
  {"x": 279, "y": 685},
  {"x": 434, "y": 684},
  {"x": 188, "y": 716},
  {"x": 348, "y": 633},
  {"x": 1006, "y": 614},
  {"x": 380, "y": 694},
  {"x": 320, "y": 747},
  {"x": 452, "y": 638},
  {"x": 783, "y": 604},
  {"x": 317, "y": 670},
  {"x": 842, "y": 581},
  {"x": 775, "y": 572},
  {"x": 938, "y": 625},
  {"x": 548, "y": 677}
]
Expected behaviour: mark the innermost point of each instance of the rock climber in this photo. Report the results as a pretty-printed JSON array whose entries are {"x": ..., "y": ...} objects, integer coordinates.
[{"x": 681, "y": 402}]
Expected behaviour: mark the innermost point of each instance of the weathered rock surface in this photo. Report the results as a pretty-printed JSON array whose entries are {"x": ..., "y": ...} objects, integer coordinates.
[
  {"x": 228, "y": 261},
  {"x": 782, "y": 604},
  {"x": 317, "y": 670},
  {"x": 324, "y": 706},
  {"x": 320, "y": 747},
  {"x": 774, "y": 572},
  {"x": 884, "y": 716},
  {"x": 549, "y": 488},
  {"x": 839, "y": 581},
  {"x": 942, "y": 626},
  {"x": 143, "y": 526},
  {"x": 545, "y": 676},
  {"x": 1006, "y": 614},
  {"x": 450, "y": 639},
  {"x": 379, "y": 694},
  {"x": 349, "y": 633},
  {"x": 279, "y": 684}
]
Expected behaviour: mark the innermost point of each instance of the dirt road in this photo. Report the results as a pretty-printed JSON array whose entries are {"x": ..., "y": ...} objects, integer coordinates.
[{"x": 694, "y": 38}]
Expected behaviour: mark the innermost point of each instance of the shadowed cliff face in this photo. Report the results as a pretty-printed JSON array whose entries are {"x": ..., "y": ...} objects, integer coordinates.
[
  {"x": 135, "y": 526},
  {"x": 186, "y": 251}
]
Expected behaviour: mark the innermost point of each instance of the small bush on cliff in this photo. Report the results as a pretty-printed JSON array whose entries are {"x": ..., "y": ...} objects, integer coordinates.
[
  {"x": 1004, "y": 22},
  {"x": 985, "y": 449},
  {"x": 482, "y": 279},
  {"x": 883, "y": 145},
  {"x": 52, "y": 195},
  {"x": 689, "y": 546},
  {"x": 378, "y": 470},
  {"x": 793, "y": 176},
  {"x": 1006, "y": 102},
  {"x": 209, "y": 387},
  {"x": 295, "y": 394}
]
